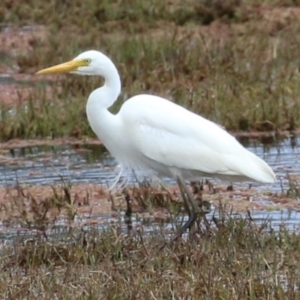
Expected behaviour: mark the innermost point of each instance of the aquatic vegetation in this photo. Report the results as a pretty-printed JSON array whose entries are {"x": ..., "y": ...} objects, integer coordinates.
[{"x": 229, "y": 258}]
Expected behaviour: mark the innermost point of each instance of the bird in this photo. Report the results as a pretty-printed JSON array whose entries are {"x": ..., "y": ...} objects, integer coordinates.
[{"x": 151, "y": 133}]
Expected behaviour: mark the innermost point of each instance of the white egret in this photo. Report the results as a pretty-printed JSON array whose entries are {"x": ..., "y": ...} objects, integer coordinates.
[{"x": 154, "y": 133}]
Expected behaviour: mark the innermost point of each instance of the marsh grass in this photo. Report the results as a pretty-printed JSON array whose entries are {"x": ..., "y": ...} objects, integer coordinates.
[
  {"x": 227, "y": 256},
  {"x": 240, "y": 71},
  {"x": 293, "y": 190},
  {"x": 41, "y": 117},
  {"x": 234, "y": 260},
  {"x": 39, "y": 208},
  {"x": 32, "y": 212}
]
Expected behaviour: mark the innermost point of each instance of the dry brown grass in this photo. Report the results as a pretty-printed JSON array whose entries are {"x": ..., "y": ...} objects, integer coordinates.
[{"x": 228, "y": 258}]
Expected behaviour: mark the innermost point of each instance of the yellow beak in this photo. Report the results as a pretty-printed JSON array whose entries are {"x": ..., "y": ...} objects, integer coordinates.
[{"x": 66, "y": 67}]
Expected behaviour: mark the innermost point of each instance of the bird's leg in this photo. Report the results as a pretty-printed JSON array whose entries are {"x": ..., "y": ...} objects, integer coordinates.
[
  {"x": 185, "y": 201},
  {"x": 128, "y": 212},
  {"x": 211, "y": 187},
  {"x": 229, "y": 188},
  {"x": 195, "y": 209},
  {"x": 197, "y": 187}
]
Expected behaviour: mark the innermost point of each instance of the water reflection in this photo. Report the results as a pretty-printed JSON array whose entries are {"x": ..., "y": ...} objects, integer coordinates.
[
  {"x": 92, "y": 164},
  {"x": 46, "y": 165}
]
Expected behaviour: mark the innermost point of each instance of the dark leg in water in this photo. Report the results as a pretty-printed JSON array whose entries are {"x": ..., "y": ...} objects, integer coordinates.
[
  {"x": 188, "y": 198},
  {"x": 185, "y": 201},
  {"x": 128, "y": 212}
]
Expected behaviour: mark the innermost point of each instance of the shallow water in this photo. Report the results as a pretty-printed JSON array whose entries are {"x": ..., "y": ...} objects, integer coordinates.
[
  {"x": 50, "y": 164},
  {"x": 270, "y": 221},
  {"x": 92, "y": 164}
]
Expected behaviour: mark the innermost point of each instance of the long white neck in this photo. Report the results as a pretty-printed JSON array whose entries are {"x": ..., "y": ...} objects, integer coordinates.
[{"x": 102, "y": 122}]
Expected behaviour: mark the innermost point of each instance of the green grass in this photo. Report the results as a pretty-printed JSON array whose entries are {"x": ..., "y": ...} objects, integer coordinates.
[{"x": 242, "y": 74}]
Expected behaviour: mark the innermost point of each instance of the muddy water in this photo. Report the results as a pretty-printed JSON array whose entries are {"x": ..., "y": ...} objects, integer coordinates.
[{"x": 92, "y": 164}]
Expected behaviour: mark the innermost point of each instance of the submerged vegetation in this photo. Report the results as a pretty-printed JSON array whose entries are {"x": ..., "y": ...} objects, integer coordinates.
[{"x": 235, "y": 62}]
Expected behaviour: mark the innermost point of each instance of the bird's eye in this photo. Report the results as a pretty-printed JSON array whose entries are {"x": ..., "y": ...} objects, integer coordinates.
[{"x": 87, "y": 61}]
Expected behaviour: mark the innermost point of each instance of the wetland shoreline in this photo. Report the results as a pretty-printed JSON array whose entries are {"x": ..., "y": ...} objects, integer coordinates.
[{"x": 63, "y": 236}]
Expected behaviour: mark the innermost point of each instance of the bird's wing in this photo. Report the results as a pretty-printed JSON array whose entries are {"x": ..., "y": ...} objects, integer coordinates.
[{"x": 175, "y": 137}]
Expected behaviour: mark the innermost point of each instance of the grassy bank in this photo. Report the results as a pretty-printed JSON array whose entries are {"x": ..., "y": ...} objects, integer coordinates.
[
  {"x": 56, "y": 247},
  {"x": 228, "y": 258},
  {"x": 235, "y": 62}
]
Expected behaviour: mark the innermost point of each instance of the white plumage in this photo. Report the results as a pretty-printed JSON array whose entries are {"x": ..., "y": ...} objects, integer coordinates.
[
  {"x": 172, "y": 141},
  {"x": 153, "y": 133}
]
